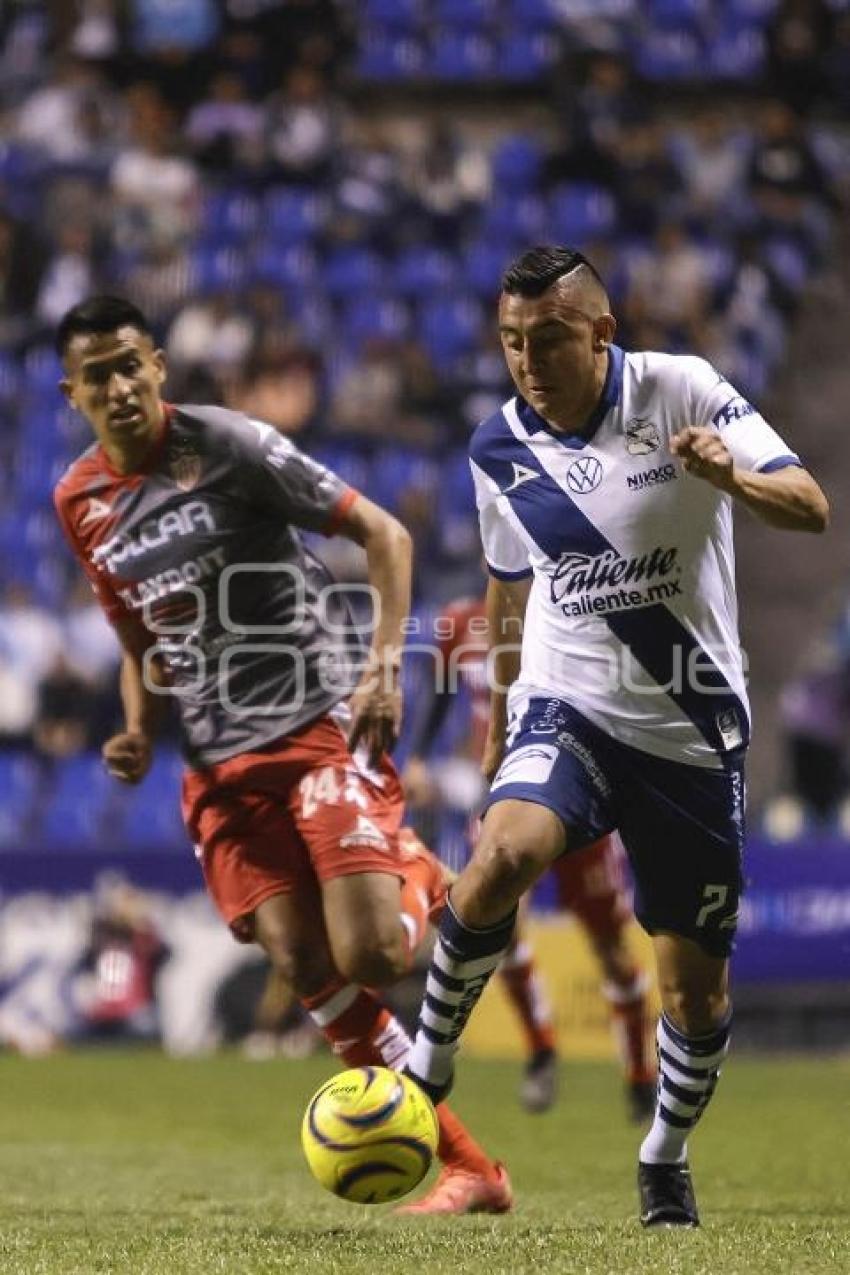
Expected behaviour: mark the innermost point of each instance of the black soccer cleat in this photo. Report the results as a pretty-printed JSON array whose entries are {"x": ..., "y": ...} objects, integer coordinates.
[
  {"x": 640, "y": 1100},
  {"x": 666, "y": 1195},
  {"x": 437, "y": 1093}
]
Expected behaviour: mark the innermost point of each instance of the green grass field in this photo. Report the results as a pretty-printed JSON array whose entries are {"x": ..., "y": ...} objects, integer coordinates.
[{"x": 135, "y": 1163}]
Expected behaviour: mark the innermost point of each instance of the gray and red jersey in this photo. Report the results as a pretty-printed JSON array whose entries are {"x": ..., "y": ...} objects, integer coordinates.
[{"x": 201, "y": 545}]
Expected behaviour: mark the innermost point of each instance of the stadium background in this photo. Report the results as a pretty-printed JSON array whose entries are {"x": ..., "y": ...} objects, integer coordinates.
[{"x": 313, "y": 201}]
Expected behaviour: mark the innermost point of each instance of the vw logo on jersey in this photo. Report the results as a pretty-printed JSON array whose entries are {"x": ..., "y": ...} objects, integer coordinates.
[{"x": 584, "y": 475}]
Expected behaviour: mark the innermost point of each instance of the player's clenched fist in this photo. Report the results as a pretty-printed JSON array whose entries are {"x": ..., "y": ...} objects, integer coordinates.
[
  {"x": 128, "y": 756},
  {"x": 704, "y": 454}
]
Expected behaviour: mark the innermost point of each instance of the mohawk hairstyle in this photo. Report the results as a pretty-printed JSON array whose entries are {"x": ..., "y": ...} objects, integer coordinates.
[
  {"x": 538, "y": 268},
  {"x": 97, "y": 315}
]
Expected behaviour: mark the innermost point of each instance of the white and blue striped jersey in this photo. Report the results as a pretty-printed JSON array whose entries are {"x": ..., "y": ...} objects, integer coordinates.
[{"x": 632, "y": 616}]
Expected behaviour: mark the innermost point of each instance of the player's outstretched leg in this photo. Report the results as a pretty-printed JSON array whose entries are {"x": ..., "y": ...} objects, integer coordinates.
[
  {"x": 690, "y": 1052},
  {"x": 362, "y": 1031},
  {"x": 522, "y": 982},
  {"x": 519, "y": 839}
]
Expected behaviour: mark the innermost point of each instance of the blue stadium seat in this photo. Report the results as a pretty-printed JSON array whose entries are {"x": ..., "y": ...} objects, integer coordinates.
[
  {"x": 483, "y": 266},
  {"x": 284, "y": 266},
  {"x": 678, "y": 12},
  {"x": 456, "y": 495},
  {"x": 41, "y": 531},
  {"x": 293, "y": 214},
  {"x": 216, "y": 269},
  {"x": 422, "y": 270},
  {"x": 580, "y": 212},
  {"x": 511, "y": 221},
  {"x": 36, "y": 474},
  {"x": 42, "y": 370},
  {"x": 674, "y": 54},
  {"x": 542, "y": 14},
  {"x": 461, "y": 56},
  {"x": 19, "y": 778},
  {"x": 449, "y": 327},
  {"x": 76, "y": 812},
  {"x": 10, "y": 377},
  {"x": 228, "y": 217},
  {"x": 148, "y": 817},
  {"x": 345, "y": 460},
  {"x": 393, "y": 15},
  {"x": 751, "y": 11},
  {"x": 516, "y": 163},
  {"x": 524, "y": 55},
  {"x": 385, "y": 55},
  {"x": 373, "y": 316},
  {"x": 467, "y": 15},
  {"x": 351, "y": 270},
  {"x": 737, "y": 54}
]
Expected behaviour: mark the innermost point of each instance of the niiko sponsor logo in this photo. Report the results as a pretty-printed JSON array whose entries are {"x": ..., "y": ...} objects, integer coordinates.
[{"x": 651, "y": 477}]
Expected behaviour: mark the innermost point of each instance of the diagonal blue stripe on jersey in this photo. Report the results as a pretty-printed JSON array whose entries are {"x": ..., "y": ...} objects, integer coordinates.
[{"x": 656, "y": 637}]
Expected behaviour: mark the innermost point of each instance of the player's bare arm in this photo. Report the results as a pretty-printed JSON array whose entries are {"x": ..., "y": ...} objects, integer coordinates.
[
  {"x": 506, "y": 603},
  {"x": 376, "y": 704},
  {"x": 128, "y": 754},
  {"x": 788, "y": 498}
]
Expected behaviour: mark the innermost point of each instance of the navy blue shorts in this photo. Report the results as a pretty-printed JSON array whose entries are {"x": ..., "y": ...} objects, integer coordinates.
[{"x": 682, "y": 826}]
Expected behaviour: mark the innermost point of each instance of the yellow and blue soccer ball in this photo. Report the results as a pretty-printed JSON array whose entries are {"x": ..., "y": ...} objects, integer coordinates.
[{"x": 369, "y": 1135}]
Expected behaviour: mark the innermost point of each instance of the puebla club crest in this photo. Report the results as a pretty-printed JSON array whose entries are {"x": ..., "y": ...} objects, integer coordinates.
[{"x": 642, "y": 436}]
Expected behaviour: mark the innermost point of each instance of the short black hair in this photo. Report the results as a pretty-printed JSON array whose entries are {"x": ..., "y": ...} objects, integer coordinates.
[
  {"x": 98, "y": 315},
  {"x": 538, "y": 268}
]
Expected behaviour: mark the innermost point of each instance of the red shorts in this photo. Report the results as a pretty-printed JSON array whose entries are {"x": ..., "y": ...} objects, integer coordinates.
[
  {"x": 299, "y": 810},
  {"x": 591, "y": 883}
]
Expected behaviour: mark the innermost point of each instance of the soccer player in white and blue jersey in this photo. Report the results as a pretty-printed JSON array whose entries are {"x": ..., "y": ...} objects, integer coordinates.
[{"x": 605, "y": 491}]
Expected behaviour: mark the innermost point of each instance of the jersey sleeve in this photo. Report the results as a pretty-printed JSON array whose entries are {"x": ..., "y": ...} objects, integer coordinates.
[
  {"x": 716, "y": 404},
  {"x": 504, "y": 549},
  {"x": 109, "y": 601},
  {"x": 283, "y": 478}
]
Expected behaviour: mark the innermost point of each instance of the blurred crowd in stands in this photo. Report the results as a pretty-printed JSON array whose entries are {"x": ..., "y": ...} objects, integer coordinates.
[{"x": 313, "y": 201}]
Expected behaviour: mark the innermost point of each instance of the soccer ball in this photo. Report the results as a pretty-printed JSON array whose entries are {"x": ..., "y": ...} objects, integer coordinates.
[{"x": 369, "y": 1135}]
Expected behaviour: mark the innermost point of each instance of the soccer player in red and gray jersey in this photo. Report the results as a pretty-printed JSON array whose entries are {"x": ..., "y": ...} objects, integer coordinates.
[
  {"x": 186, "y": 521},
  {"x": 589, "y": 883}
]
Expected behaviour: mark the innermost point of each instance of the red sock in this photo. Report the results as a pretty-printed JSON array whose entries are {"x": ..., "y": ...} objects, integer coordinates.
[
  {"x": 422, "y": 887},
  {"x": 627, "y": 1001},
  {"x": 363, "y": 1032},
  {"x": 522, "y": 982}
]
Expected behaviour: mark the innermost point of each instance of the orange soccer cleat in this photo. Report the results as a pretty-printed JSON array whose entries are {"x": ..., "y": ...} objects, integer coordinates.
[{"x": 459, "y": 1191}]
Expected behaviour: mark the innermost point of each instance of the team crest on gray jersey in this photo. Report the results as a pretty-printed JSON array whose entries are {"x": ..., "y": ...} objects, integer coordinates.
[
  {"x": 184, "y": 463},
  {"x": 642, "y": 436}
]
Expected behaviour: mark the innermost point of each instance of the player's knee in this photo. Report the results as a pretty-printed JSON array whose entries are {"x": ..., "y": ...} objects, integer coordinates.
[
  {"x": 303, "y": 966},
  {"x": 694, "y": 1010},
  {"x": 508, "y": 864},
  {"x": 374, "y": 960}
]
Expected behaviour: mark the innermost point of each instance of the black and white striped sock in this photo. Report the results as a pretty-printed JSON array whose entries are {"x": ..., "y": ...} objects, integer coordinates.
[
  {"x": 688, "y": 1070},
  {"x": 463, "y": 960}
]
